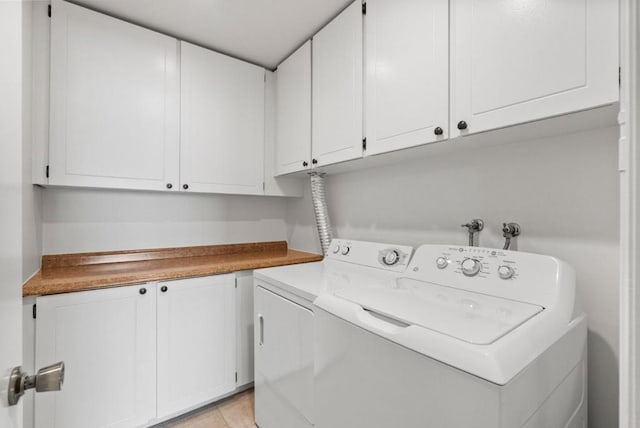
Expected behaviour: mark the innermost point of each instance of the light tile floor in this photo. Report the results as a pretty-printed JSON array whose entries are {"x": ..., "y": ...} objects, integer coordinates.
[{"x": 234, "y": 412}]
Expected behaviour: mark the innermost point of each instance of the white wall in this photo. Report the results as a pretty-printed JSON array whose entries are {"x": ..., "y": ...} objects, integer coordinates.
[
  {"x": 562, "y": 191},
  {"x": 81, "y": 220}
]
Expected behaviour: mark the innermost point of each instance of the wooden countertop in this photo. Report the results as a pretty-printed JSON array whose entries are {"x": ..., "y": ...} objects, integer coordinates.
[{"x": 66, "y": 273}]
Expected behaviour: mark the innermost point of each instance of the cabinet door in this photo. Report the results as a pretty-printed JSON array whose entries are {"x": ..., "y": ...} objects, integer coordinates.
[
  {"x": 222, "y": 123},
  {"x": 407, "y": 73},
  {"x": 114, "y": 103},
  {"x": 107, "y": 341},
  {"x": 337, "y": 89},
  {"x": 293, "y": 112},
  {"x": 284, "y": 362},
  {"x": 196, "y": 342},
  {"x": 274, "y": 185},
  {"x": 515, "y": 61},
  {"x": 244, "y": 327}
]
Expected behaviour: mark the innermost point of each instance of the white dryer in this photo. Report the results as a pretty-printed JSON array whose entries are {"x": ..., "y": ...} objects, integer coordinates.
[
  {"x": 467, "y": 337},
  {"x": 284, "y": 323}
]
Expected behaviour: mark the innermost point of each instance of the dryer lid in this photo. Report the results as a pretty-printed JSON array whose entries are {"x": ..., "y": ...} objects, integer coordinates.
[{"x": 472, "y": 317}]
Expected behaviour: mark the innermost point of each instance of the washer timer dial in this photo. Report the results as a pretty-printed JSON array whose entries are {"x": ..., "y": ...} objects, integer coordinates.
[{"x": 470, "y": 267}]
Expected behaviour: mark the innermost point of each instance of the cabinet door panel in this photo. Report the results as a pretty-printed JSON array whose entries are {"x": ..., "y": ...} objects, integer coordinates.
[
  {"x": 114, "y": 102},
  {"x": 107, "y": 340},
  {"x": 337, "y": 88},
  {"x": 196, "y": 342},
  {"x": 244, "y": 329},
  {"x": 222, "y": 122},
  {"x": 514, "y": 62},
  {"x": 407, "y": 73},
  {"x": 293, "y": 107}
]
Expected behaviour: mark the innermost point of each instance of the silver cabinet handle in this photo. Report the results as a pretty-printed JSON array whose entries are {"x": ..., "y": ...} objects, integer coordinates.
[
  {"x": 49, "y": 378},
  {"x": 261, "y": 326}
]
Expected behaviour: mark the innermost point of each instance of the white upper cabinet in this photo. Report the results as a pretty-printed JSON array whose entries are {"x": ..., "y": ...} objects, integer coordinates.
[
  {"x": 275, "y": 185},
  {"x": 518, "y": 61},
  {"x": 407, "y": 73},
  {"x": 196, "y": 341},
  {"x": 337, "y": 89},
  {"x": 114, "y": 119},
  {"x": 222, "y": 123},
  {"x": 293, "y": 112}
]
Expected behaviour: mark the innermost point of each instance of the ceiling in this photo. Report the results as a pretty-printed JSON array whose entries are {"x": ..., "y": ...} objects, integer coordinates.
[{"x": 260, "y": 31}]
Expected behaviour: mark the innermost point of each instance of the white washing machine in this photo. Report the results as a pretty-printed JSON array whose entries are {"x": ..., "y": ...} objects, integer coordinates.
[{"x": 466, "y": 337}]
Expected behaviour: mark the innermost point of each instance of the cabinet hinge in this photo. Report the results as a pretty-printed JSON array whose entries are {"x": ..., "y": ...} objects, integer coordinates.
[
  {"x": 236, "y": 377},
  {"x": 264, "y": 186},
  {"x": 236, "y": 283},
  {"x": 364, "y": 8},
  {"x": 49, "y": 11},
  {"x": 364, "y": 143},
  {"x": 620, "y": 77},
  {"x": 46, "y": 172},
  {"x": 34, "y": 311}
]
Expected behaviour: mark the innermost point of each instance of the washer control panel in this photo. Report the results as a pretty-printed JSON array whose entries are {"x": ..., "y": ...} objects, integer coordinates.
[
  {"x": 372, "y": 254},
  {"x": 482, "y": 262},
  {"x": 533, "y": 278}
]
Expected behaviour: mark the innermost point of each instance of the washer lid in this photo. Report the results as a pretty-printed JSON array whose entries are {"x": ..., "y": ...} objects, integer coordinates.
[{"x": 472, "y": 317}]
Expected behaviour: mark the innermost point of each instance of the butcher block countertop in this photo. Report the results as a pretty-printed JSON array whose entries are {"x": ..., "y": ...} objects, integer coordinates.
[{"x": 67, "y": 273}]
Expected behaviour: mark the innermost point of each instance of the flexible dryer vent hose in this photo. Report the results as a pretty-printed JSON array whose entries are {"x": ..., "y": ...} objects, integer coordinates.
[{"x": 322, "y": 213}]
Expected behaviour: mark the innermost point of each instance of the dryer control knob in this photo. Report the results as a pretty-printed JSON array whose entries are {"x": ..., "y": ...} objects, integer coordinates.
[
  {"x": 505, "y": 272},
  {"x": 470, "y": 267},
  {"x": 345, "y": 250},
  {"x": 442, "y": 262},
  {"x": 336, "y": 249},
  {"x": 391, "y": 258}
]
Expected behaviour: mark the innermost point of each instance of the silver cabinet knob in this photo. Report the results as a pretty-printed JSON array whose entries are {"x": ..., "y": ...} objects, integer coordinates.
[{"x": 48, "y": 378}]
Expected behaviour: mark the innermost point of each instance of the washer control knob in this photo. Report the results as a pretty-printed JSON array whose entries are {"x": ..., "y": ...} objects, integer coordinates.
[
  {"x": 442, "y": 262},
  {"x": 505, "y": 272},
  {"x": 470, "y": 267},
  {"x": 391, "y": 258},
  {"x": 336, "y": 249},
  {"x": 345, "y": 250}
]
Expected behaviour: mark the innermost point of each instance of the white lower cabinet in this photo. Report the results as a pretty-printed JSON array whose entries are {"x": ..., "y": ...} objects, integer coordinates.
[
  {"x": 137, "y": 354},
  {"x": 196, "y": 342},
  {"x": 107, "y": 339},
  {"x": 284, "y": 362}
]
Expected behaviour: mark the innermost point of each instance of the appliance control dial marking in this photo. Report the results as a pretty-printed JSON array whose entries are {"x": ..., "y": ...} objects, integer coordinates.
[{"x": 345, "y": 250}]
